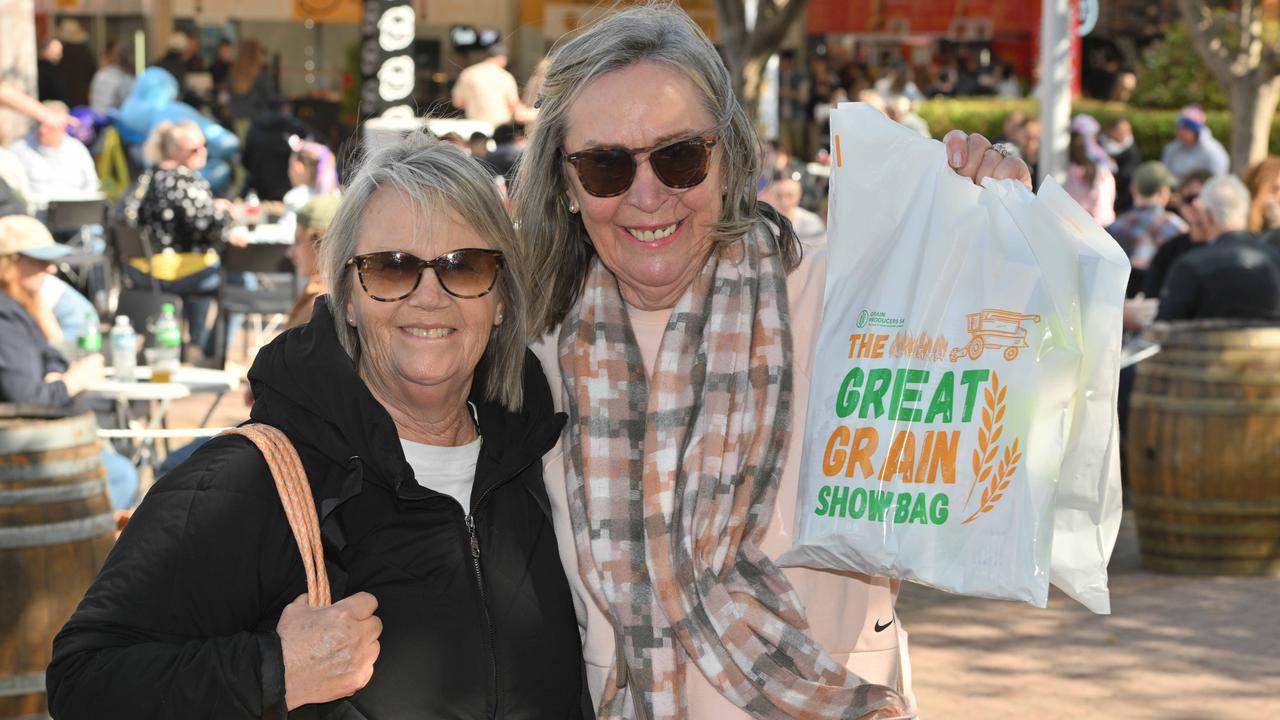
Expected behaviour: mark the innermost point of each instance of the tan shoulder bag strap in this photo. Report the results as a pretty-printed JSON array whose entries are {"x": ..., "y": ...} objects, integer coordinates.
[{"x": 295, "y": 495}]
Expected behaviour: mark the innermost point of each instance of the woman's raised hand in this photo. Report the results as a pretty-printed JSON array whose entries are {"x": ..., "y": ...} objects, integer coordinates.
[
  {"x": 328, "y": 652},
  {"x": 972, "y": 156}
]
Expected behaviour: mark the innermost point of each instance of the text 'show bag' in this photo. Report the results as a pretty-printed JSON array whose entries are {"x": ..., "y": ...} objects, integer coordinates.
[{"x": 961, "y": 430}]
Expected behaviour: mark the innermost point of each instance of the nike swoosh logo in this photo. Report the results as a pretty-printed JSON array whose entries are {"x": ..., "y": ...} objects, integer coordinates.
[{"x": 882, "y": 628}]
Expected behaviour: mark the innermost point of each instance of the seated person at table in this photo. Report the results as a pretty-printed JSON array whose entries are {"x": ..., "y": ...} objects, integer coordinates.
[
  {"x": 313, "y": 223},
  {"x": 186, "y": 226},
  {"x": 57, "y": 165},
  {"x": 32, "y": 371}
]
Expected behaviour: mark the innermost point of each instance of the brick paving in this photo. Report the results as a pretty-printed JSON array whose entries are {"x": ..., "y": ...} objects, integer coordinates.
[{"x": 1175, "y": 648}]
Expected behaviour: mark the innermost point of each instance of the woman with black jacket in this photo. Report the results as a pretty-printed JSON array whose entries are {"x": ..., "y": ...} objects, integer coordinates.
[{"x": 421, "y": 422}]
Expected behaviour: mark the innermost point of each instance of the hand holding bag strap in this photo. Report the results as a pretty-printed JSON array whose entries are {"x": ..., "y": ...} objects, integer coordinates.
[{"x": 299, "y": 507}]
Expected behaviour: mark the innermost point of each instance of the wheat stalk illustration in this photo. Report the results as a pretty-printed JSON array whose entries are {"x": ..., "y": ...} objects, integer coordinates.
[{"x": 994, "y": 477}]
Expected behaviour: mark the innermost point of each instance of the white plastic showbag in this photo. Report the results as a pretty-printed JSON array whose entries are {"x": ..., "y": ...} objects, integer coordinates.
[{"x": 961, "y": 430}]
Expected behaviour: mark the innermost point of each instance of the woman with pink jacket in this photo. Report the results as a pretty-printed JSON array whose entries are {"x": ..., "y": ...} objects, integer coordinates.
[{"x": 678, "y": 318}]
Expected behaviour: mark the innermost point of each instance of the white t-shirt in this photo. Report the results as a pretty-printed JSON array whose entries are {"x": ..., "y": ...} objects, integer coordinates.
[{"x": 448, "y": 470}]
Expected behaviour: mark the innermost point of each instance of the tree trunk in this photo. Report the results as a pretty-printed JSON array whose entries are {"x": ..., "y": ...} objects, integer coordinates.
[{"x": 1253, "y": 106}]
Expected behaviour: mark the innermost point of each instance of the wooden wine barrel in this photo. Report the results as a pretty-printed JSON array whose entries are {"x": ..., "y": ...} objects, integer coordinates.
[
  {"x": 1203, "y": 449},
  {"x": 56, "y": 527}
]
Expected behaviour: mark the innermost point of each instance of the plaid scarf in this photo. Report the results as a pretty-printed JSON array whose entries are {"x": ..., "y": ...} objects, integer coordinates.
[{"x": 672, "y": 483}]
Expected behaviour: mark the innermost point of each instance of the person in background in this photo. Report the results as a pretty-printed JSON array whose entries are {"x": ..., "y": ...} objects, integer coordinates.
[
  {"x": 253, "y": 95},
  {"x": 1236, "y": 275},
  {"x": 175, "y": 59},
  {"x": 533, "y": 89},
  {"x": 266, "y": 154},
  {"x": 1117, "y": 141},
  {"x": 57, "y": 165},
  {"x": 784, "y": 194},
  {"x": 506, "y": 153},
  {"x": 32, "y": 370},
  {"x": 312, "y": 172},
  {"x": 1263, "y": 181},
  {"x": 313, "y": 223},
  {"x": 78, "y": 64},
  {"x": 1194, "y": 147},
  {"x": 1189, "y": 209},
  {"x": 50, "y": 84},
  {"x": 12, "y": 97},
  {"x": 1142, "y": 230},
  {"x": 899, "y": 109},
  {"x": 486, "y": 91},
  {"x": 220, "y": 68},
  {"x": 793, "y": 103},
  {"x": 113, "y": 82},
  {"x": 185, "y": 225},
  {"x": 14, "y": 175},
  {"x": 1089, "y": 182},
  {"x": 1005, "y": 81},
  {"x": 478, "y": 145}
]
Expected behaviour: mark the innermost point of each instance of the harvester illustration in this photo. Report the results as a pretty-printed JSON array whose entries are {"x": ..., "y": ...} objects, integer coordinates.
[{"x": 995, "y": 329}]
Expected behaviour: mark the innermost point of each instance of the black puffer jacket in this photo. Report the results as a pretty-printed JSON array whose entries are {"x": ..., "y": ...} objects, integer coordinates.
[{"x": 180, "y": 623}]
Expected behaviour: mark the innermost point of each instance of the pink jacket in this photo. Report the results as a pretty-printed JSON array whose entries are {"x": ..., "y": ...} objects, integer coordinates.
[{"x": 843, "y": 609}]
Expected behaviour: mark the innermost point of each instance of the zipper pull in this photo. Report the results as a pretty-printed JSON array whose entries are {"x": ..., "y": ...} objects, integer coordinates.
[{"x": 471, "y": 534}]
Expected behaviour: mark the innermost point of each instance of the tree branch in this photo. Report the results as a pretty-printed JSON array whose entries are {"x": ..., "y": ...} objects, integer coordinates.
[
  {"x": 1199, "y": 20},
  {"x": 770, "y": 31}
]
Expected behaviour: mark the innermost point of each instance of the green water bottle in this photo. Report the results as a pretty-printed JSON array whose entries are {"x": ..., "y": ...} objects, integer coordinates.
[{"x": 90, "y": 341}]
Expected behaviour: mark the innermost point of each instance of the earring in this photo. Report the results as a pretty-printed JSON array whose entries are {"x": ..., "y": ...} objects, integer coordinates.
[
  {"x": 573, "y": 208},
  {"x": 499, "y": 319}
]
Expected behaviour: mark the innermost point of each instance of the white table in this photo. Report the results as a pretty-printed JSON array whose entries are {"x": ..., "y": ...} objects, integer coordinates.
[{"x": 185, "y": 381}]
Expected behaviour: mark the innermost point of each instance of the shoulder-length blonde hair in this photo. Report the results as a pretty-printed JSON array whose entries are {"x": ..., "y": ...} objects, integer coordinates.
[
  {"x": 438, "y": 177},
  {"x": 555, "y": 243},
  {"x": 250, "y": 57}
]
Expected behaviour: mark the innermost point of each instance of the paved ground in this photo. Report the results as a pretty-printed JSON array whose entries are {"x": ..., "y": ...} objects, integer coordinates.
[{"x": 1175, "y": 648}]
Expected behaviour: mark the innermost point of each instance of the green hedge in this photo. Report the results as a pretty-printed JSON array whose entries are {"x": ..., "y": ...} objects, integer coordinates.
[{"x": 1152, "y": 129}]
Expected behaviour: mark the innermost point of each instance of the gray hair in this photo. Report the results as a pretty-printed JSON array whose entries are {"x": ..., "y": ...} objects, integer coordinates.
[
  {"x": 437, "y": 176},
  {"x": 1227, "y": 200},
  {"x": 162, "y": 143},
  {"x": 555, "y": 242}
]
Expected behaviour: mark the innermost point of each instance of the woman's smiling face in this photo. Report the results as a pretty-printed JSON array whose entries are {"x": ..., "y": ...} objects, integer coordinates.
[{"x": 653, "y": 238}]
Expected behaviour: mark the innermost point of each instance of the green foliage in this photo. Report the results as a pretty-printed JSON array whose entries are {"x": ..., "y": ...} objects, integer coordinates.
[
  {"x": 1173, "y": 75},
  {"x": 1152, "y": 129}
]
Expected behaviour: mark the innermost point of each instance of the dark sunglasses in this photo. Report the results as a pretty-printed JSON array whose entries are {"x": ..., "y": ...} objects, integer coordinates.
[
  {"x": 393, "y": 275},
  {"x": 609, "y": 171}
]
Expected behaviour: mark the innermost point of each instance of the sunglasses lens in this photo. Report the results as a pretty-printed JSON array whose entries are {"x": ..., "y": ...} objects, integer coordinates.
[
  {"x": 390, "y": 275},
  {"x": 468, "y": 273},
  {"x": 606, "y": 172},
  {"x": 683, "y": 164}
]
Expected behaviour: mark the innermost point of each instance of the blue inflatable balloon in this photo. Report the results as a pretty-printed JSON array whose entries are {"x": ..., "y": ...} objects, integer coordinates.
[{"x": 154, "y": 89}]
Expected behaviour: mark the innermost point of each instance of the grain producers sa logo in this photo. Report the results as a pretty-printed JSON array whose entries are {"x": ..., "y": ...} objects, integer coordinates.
[{"x": 875, "y": 318}]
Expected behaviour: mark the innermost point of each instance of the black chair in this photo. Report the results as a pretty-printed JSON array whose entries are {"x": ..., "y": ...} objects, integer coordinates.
[
  {"x": 276, "y": 291},
  {"x": 127, "y": 243},
  {"x": 67, "y": 218}
]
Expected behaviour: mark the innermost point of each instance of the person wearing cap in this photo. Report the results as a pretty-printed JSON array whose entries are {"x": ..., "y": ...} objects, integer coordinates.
[
  {"x": 486, "y": 91},
  {"x": 1194, "y": 147},
  {"x": 313, "y": 222},
  {"x": 32, "y": 370},
  {"x": 1147, "y": 225}
]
